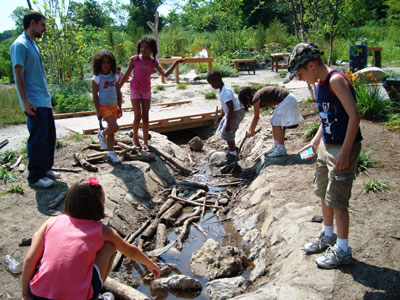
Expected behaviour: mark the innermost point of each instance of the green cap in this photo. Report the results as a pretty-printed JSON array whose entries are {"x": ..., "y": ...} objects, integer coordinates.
[{"x": 301, "y": 54}]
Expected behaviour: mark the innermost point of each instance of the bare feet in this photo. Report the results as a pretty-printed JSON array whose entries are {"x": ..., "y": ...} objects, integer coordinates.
[
  {"x": 136, "y": 143},
  {"x": 146, "y": 148}
]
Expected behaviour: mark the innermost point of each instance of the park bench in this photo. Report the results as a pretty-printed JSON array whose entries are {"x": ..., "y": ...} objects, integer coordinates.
[
  {"x": 275, "y": 61},
  {"x": 249, "y": 64}
]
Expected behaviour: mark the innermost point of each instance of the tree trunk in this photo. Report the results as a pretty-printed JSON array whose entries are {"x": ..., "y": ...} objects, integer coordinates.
[
  {"x": 29, "y": 4},
  {"x": 332, "y": 31},
  {"x": 303, "y": 34},
  {"x": 294, "y": 12},
  {"x": 154, "y": 29}
]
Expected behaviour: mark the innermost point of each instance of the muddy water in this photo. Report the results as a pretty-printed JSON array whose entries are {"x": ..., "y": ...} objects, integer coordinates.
[{"x": 219, "y": 228}]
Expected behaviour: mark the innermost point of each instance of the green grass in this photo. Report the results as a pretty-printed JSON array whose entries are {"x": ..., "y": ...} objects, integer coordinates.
[
  {"x": 10, "y": 110},
  {"x": 365, "y": 161},
  {"x": 375, "y": 186},
  {"x": 307, "y": 100},
  {"x": 182, "y": 85},
  {"x": 158, "y": 88},
  {"x": 77, "y": 137},
  {"x": 310, "y": 131},
  {"x": 59, "y": 144},
  {"x": 7, "y": 176},
  {"x": 15, "y": 189},
  {"x": 393, "y": 122},
  {"x": 236, "y": 89},
  {"x": 8, "y": 156},
  {"x": 210, "y": 95}
]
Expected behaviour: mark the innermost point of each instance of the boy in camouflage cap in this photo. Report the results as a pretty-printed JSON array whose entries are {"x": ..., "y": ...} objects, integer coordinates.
[{"x": 337, "y": 154}]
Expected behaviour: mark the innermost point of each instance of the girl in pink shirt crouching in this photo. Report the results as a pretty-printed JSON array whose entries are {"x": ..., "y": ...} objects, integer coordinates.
[
  {"x": 143, "y": 65},
  {"x": 71, "y": 255}
]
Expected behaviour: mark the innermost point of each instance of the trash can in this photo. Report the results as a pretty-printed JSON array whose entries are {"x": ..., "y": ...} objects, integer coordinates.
[
  {"x": 358, "y": 56},
  {"x": 392, "y": 87}
]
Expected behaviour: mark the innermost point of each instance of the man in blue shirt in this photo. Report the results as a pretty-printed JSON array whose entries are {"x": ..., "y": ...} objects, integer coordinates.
[{"x": 35, "y": 101}]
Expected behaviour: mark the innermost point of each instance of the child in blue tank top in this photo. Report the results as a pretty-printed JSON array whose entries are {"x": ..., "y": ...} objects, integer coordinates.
[
  {"x": 107, "y": 99},
  {"x": 337, "y": 154}
]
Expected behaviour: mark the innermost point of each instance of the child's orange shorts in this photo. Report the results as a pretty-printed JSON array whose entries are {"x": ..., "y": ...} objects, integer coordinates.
[{"x": 106, "y": 110}]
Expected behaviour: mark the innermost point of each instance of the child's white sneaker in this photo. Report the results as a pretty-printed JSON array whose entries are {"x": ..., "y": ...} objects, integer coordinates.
[
  {"x": 102, "y": 139},
  {"x": 272, "y": 148},
  {"x": 278, "y": 152},
  {"x": 113, "y": 157}
]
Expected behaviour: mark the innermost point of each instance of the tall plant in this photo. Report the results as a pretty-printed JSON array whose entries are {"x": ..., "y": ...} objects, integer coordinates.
[{"x": 62, "y": 47}]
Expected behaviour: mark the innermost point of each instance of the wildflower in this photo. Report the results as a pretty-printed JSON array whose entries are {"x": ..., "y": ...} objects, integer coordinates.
[{"x": 375, "y": 84}]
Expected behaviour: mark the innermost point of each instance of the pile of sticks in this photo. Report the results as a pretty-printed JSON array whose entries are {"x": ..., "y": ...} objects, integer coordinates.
[{"x": 153, "y": 233}]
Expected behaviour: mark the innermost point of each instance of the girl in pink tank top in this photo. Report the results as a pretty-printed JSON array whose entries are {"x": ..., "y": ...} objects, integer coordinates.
[
  {"x": 70, "y": 255},
  {"x": 143, "y": 65}
]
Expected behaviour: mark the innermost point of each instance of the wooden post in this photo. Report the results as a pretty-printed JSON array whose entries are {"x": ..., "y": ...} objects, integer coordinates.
[{"x": 154, "y": 29}]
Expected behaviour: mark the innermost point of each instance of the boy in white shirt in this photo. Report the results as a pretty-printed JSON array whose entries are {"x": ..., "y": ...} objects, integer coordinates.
[{"x": 233, "y": 111}]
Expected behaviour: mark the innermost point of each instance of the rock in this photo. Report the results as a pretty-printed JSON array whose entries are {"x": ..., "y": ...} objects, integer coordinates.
[
  {"x": 223, "y": 201},
  {"x": 196, "y": 144},
  {"x": 218, "y": 159},
  {"x": 261, "y": 263},
  {"x": 251, "y": 236},
  {"x": 178, "y": 282},
  {"x": 225, "y": 288},
  {"x": 377, "y": 74},
  {"x": 215, "y": 261}
]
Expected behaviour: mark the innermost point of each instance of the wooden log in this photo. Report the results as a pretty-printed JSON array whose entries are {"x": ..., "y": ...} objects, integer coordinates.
[
  {"x": 160, "y": 251},
  {"x": 98, "y": 154},
  {"x": 127, "y": 147},
  {"x": 84, "y": 163},
  {"x": 134, "y": 157},
  {"x": 193, "y": 202},
  {"x": 185, "y": 231},
  {"x": 66, "y": 170},
  {"x": 169, "y": 217},
  {"x": 194, "y": 185},
  {"x": 122, "y": 291},
  {"x": 3, "y": 143},
  {"x": 168, "y": 158},
  {"x": 197, "y": 194},
  {"x": 57, "y": 201},
  {"x": 163, "y": 271},
  {"x": 161, "y": 236},
  {"x": 98, "y": 147},
  {"x": 167, "y": 204},
  {"x": 181, "y": 220},
  {"x": 150, "y": 230},
  {"x": 129, "y": 239}
]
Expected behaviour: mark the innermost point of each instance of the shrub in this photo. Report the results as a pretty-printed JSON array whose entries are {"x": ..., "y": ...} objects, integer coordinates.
[
  {"x": 17, "y": 189},
  {"x": 7, "y": 176},
  {"x": 375, "y": 186},
  {"x": 210, "y": 95},
  {"x": 59, "y": 144},
  {"x": 310, "y": 131},
  {"x": 10, "y": 110},
  {"x": 365, "y": 161},
  {"x": 370, "y": 103},
  {"x": 182, "y": 85}
]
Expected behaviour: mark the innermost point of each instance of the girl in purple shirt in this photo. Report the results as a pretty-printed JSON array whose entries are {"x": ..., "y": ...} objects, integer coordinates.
[{"x": 143, "y": 65}]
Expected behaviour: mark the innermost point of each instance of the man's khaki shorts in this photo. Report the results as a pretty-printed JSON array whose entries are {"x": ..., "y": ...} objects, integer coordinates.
[{"x": 330, "y": 184}]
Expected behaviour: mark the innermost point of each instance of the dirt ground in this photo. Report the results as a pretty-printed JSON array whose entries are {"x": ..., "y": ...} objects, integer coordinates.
[{"x": 374, "y": 228}]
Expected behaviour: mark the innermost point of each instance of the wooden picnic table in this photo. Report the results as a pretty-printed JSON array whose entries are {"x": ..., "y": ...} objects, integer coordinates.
[
  {"x": 189, "y": 60},
  {"x": 246, "y": 61},
  {"x": 275, "y": 61},
  {"x": 377, "y": 55}
]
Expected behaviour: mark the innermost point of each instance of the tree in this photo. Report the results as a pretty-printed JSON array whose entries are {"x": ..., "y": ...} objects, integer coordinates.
[
  {"x": 18, "y": 18},
  {"x": 88, "y": 13},
  {"x": 142, "y": 11}
]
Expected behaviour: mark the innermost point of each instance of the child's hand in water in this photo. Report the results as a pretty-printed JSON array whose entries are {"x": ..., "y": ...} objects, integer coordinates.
[{"x": 153, "y": 268}]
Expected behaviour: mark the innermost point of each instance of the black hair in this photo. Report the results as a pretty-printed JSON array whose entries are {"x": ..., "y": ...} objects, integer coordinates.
[
  {"x": 83, "y": 201},
  {"x": 97, "y": 59},
  {"x": 246, "y": 97},
  {"x": 32, "y": 15},
  {"x": 318, "y": 61},
  {"x": 214, "y": 75},
  {"x": 149, "y": 41}
]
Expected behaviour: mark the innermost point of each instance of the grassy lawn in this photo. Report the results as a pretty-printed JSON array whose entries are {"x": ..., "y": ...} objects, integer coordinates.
[{"x": 10, "y": 111}]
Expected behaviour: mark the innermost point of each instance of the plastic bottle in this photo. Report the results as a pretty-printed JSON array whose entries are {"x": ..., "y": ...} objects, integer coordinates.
[{"x": 13, "y": 265}]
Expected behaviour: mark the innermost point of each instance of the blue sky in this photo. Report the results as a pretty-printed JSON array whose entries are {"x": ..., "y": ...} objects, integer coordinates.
[{"x": 8, "y": 6}]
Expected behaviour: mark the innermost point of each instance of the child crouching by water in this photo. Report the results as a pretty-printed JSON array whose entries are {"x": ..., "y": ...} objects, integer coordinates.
[
  {"x": 71, "y": 255},
  {"x": 286, "y": 114}
]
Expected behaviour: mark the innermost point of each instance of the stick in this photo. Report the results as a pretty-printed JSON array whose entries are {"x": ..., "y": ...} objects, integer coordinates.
[
  {"x": 122, "y": 291},
  {"x": 84, "y": 163},
  {"x": 190, "y": 159},
  {"x": 161, "y": 236},
  {"x": 184, "y": 232},
  {"x": 16, "y": 162},
  {"x": 171, "y": 214},
  {"x": 98, "y": 154},
  {"x": 183, "y": 170},
  {"x": 133, "y": 157},
  {"x": 203, "y": 210},
  {"x": 127, "y": 147},
  {"x": 199, "y": 228},
  {"x": 167, "y": 204},
  {"x": 160, "y": 251},
  {"x": 66, "y": 170},
  {"x": 130, "y": 238},
  {"x": 228, "y": 183},
  {"x": 57, "y": 201},
  {"x": 3, "y": 143},
  {"x": 182, "y": 219}
]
